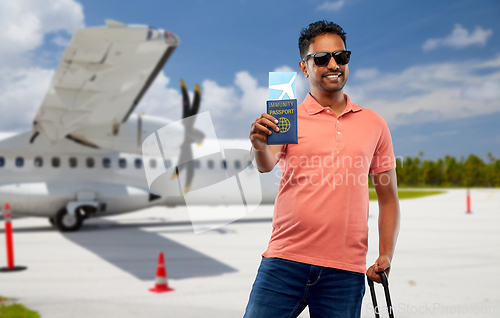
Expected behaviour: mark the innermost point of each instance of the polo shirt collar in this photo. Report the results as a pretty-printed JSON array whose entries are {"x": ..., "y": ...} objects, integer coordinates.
[{"x": 313, "y": 107}]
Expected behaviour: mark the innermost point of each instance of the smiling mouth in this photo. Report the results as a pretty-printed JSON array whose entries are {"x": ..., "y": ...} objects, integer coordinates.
[{"x": 331, "y": 76}]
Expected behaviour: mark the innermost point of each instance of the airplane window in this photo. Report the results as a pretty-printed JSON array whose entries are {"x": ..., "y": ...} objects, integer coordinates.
[
  {"x": 152, "y": 163},
  {"x": 2, "y": 161},
  {"x": 73, "y": 162},
  {"x": 19, "y": 162},
  {"x": 224, "y": 164},
  {"x": 90, "y": 162},
  {"x": 168, "y": 163},
  {"x": 56, "y": 162},
  {"x": 38, "y": 162},
  {"x": 197, "y": 164},
  {"x": 210, "y": 164},
  {"x": 138, "y": 163},
  {"x": 106, "y": 162},
  {"x": 237, "y": 164},
  {"x": 122, "y": 162}
]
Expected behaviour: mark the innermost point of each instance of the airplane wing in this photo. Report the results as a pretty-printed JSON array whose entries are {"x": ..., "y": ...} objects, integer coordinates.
[{"x": 102, "y": 76}]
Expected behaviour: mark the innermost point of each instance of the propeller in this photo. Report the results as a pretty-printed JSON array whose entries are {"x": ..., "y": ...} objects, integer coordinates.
[{"x": 191, "y": 135}]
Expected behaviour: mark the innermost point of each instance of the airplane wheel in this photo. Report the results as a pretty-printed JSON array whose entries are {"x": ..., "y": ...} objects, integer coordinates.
[
  {"x": 66, "y": 222},
  {"x": 52, "y": 221}
]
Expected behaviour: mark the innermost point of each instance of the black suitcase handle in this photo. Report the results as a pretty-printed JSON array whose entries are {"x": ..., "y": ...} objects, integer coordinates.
[{"x": 385, "y": 283}]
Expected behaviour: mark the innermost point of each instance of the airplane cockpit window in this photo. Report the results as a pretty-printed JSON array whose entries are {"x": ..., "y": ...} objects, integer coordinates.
[
  {"x": 168, "y": 163},
  {"x": 237, "y": 164},
  {"x": 38, "y": 162},
  {"x": 106, "y": 162},
  {"x": 122, "y": 163},
  {"x": 90, "y": 162},
  {"x": 19, "y": 162},
  {"x": 2, "y": 161},
  {"x": 224, "y": 164},
  {"x": 197, "y": 164},
  {"x": 210, "y": 164},
  {"x": 56, "y": 162},
  {"x": 73, "y": 162},
  {"x": 152, "y": 163},
  {"x": 138, "y": 163}
]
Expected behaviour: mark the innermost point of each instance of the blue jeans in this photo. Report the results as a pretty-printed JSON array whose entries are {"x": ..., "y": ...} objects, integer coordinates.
[{"x": 283, "y": 288}]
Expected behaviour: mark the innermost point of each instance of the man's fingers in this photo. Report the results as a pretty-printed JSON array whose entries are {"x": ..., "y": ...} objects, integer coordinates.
[
  {"x": 261, "y": 129},
  {"x": 373, "y": 275},
  {"x": 265, "y": 124},
  {"x": 269, "y": 117}
]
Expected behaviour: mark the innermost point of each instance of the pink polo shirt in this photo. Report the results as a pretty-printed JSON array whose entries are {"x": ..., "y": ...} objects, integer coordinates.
[{"x": 321, "y": 211}]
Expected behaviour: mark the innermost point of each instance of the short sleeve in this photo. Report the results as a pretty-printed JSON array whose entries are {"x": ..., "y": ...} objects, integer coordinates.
[{"x": 383, "y": 158}]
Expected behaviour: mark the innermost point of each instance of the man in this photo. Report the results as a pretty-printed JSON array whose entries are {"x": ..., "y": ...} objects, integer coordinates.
[{"x": 317, "y": 252}]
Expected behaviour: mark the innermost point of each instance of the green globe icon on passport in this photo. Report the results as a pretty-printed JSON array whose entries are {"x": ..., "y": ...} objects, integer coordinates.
[{"x": 283, "y": 124}]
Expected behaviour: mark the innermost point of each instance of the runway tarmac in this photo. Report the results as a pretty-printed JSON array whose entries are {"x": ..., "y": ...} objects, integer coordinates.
[{"x": 447, "y": 262}]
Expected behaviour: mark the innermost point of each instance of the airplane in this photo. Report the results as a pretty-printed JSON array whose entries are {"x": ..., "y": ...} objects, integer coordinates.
[
  {"x": 84, "y": 155},
  {"x": 285, "y": 88}
]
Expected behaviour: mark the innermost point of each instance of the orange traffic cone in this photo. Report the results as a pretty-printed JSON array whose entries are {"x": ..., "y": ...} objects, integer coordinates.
[
  {"x": 161, "y": 285},
  {"x": 9, "y": 242}
]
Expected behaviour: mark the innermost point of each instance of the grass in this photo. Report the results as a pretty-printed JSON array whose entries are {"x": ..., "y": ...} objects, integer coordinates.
[
  {"x": 409, "y": 194},
  {"x": 8, "y": 309}
]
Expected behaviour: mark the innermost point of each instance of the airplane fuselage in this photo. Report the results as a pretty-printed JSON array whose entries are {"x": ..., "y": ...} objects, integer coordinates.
[{"x": 40, "y": 179}]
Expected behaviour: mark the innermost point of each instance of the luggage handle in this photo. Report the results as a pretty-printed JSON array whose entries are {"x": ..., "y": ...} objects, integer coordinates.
[{"x": 385, "y": 283}]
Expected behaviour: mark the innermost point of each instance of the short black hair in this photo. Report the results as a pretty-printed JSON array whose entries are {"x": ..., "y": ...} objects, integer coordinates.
[{"x": 307, "y": 35}]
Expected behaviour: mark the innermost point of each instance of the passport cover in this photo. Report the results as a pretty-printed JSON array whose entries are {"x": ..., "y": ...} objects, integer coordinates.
[
  {"x": 285, "y": 111},
  {"x": 283, "y": 85}
]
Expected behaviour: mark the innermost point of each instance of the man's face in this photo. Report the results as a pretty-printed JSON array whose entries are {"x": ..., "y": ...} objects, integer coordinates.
[{"x": 324, "y": 77}]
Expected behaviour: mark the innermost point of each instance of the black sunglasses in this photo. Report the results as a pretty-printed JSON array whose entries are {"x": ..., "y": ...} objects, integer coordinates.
[{"x": 323, "y": 58}]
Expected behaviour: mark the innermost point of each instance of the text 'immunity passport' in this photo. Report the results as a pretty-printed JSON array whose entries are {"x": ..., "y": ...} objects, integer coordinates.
[{"x": 282, "y": 105}]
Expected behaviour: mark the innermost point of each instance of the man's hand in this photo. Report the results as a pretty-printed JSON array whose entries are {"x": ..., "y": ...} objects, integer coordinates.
[
  {"x": 382, "y": 264},
  {"x": 260, "y": 129},
  {"x": 266, "y": 156}
]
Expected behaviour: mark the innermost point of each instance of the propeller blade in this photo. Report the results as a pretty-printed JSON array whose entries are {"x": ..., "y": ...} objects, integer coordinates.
[
  {"x": 190, "y": 135},
  {"x": 196, "y": 101},
  {"x": 185, "y": 100},
  {"x": 186, "y": 155},
  {"x": 189, "y": 175}
]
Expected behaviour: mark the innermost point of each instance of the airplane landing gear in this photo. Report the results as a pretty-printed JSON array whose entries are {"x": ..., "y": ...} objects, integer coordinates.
[{"x": 67, "y": 222}]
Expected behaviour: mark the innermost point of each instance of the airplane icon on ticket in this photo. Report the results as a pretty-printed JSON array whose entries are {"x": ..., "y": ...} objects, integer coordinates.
[{"x": 282, "y": 85}]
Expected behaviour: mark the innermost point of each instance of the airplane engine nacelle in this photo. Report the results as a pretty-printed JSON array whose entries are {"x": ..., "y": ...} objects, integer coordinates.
[{"x": 47, "y": 198}]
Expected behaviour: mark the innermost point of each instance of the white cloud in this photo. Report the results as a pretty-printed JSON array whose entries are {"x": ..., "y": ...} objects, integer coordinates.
[
  {"x": 61, "y": 41},
  {"x": 432, "y": 92},
  {"x": 253, "y": 97},
  {"x": 459, "y": 38},
  {"x": 232, "y": 108},
  {"x": 331, "y": 6},
  {"x": 417, "y": 94},
  {"x": 162, "y": 100},
  {"x": 487, "y": 90},
  {"x": 366, "y": 73},
  {"x": 24, "y": 24},
  {"x": 23, "y": 27},
  {"x": 21, "y": 92}
]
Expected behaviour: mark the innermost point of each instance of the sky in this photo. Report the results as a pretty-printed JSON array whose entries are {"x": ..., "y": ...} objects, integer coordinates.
[{"x": 431, "y": 69}]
